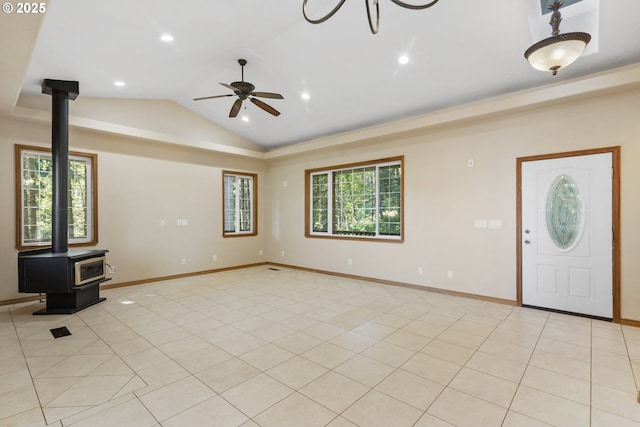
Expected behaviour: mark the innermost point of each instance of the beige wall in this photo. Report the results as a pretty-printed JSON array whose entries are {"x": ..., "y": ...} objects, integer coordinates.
[
  {"x": 443, "y": 197},
  {"x": 143, "y": 182},
  {"x": 140, "y": 184}
]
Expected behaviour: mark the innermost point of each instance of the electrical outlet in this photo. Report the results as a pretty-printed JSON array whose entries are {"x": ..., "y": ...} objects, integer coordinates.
[
  {"x": 184, "y": 261},
  {"x": 349, "y": 261},
  {"x": 214, "y": 258},
  {"x": 420, "y": 270},
  {"x": 111, "y": 268},
  {"x": 449, "y": 274},
  {"x": 282, "y": 253},
  {"x": 470, "y": 163},
  {"x": 162, "y": 223},
  {"x": 260, "y": 252}
]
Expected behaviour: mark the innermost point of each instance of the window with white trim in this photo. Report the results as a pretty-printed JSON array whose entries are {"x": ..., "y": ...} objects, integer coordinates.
[
  {"x": 239, "y": 204},
  {"x": 361, "y": 201},
  {"x": 35, "y": 197}
]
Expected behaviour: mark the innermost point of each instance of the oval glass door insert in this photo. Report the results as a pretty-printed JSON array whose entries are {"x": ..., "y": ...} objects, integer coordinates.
[{"x": 564, "y": 212}]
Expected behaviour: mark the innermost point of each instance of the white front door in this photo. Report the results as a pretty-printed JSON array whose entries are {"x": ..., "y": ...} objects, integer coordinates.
[{"x": 567, "y": 237}]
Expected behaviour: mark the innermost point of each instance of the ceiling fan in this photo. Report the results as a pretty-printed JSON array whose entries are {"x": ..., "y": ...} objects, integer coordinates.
[{"x": 244, "y": 90}]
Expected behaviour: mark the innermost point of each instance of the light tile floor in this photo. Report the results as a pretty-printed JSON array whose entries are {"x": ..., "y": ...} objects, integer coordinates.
[{"x": 260, "y": 347}]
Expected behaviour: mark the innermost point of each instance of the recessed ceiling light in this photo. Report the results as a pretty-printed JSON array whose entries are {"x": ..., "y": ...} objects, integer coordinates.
[
  {"x": 245, "y": 119},
  {"x": 404, "y": 59},
  {"x": 305, "y": 96},
  {"x": 118, "y": 83},
  {"x": 166, "y": 38}
]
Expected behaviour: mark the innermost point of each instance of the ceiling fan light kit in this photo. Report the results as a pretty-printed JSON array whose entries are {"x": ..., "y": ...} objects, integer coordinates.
[
  {"x": 559, "y": 50},
  {"x": 374, "y": 27},
  {"x": 245, "y": 90}
]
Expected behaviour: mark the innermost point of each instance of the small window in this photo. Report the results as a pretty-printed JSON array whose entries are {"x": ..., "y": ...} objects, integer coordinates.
[
  {"x": 240, "y": 211},
  {"x": 359, "y": 201},
  {"x": 34, "y": 197}
]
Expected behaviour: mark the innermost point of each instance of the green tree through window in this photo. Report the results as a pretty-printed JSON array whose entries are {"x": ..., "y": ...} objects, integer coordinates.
[
  {"x": 36, "y": 197},
  {"x": 239, "y": 204},
  {"x": 362, "y": 200}
]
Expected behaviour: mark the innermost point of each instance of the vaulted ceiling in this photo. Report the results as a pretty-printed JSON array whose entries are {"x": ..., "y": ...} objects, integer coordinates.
[{"x": 458, "y": 51}]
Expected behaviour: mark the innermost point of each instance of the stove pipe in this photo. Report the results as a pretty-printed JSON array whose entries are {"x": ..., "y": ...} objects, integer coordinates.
[{"x": 61, "y": 91}]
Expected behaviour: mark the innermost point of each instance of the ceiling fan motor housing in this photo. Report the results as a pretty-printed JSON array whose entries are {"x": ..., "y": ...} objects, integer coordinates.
[{"x": 243, "y": 89}]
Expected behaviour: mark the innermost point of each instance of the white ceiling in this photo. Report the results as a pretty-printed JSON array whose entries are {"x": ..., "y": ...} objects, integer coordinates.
[{"x": 459, "y": 51}]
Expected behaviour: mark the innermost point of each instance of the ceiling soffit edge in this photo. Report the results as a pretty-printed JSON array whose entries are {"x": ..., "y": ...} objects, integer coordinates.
[
  {"x": 593, "y": 85},
  {"x": 133, "y": 132}
]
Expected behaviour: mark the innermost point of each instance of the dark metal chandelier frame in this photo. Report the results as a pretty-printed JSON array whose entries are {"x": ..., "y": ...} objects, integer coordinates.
[{"x": 374, "y": 28}]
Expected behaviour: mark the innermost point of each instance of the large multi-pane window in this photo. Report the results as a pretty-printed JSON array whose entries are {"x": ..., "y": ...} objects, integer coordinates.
[
  {"x": 240, "y": 207},
  {"x": 362, "y": 200},
  {"x": 34, "y": 170}
]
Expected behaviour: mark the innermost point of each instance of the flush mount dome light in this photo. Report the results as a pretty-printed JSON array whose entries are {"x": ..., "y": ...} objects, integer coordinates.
[{"x": 559, "y": 50}]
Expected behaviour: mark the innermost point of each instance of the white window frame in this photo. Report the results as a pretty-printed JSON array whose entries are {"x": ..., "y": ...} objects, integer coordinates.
[
  {"x": 309, "y": 231},
  {"x": 237, "y": 211}
]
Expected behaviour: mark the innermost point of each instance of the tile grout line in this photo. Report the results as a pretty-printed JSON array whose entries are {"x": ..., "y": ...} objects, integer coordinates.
[
  {"x": 633, "y": 372},
  {"x": 338, "y": 373},
  {"x": 24, "y": 357},
  {"x": 462, "y": 366},
  {"x": 525, "y": 371},
  {"x": 364, "y": 297}
]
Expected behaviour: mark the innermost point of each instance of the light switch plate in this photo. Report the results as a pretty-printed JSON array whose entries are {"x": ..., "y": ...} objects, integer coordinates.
[
  {"x": 480, "y": 223},
  {"x": 495, "y": 223}
]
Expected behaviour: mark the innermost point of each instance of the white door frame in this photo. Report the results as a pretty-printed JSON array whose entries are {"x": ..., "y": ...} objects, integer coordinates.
[{"x": 615, "y": 206}]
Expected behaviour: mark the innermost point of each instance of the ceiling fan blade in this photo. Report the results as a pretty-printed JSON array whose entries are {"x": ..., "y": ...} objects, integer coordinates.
[
  {"x": 265, "y": 107},
  {"x": 211, "y": 97},
  {"x": 267, "y": 95},
  {"x": 229, "y": 86},
  {"x": 235, "y": 108}
]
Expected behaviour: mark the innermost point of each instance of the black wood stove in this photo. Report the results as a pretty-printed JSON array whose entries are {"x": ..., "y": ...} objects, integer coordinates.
[{"x": 70, "y": 278}]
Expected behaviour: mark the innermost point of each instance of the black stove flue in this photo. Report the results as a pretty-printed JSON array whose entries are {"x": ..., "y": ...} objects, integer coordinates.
[
  {"x": 61, "y": 91},
  {"x": 70, "y": 278}
]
